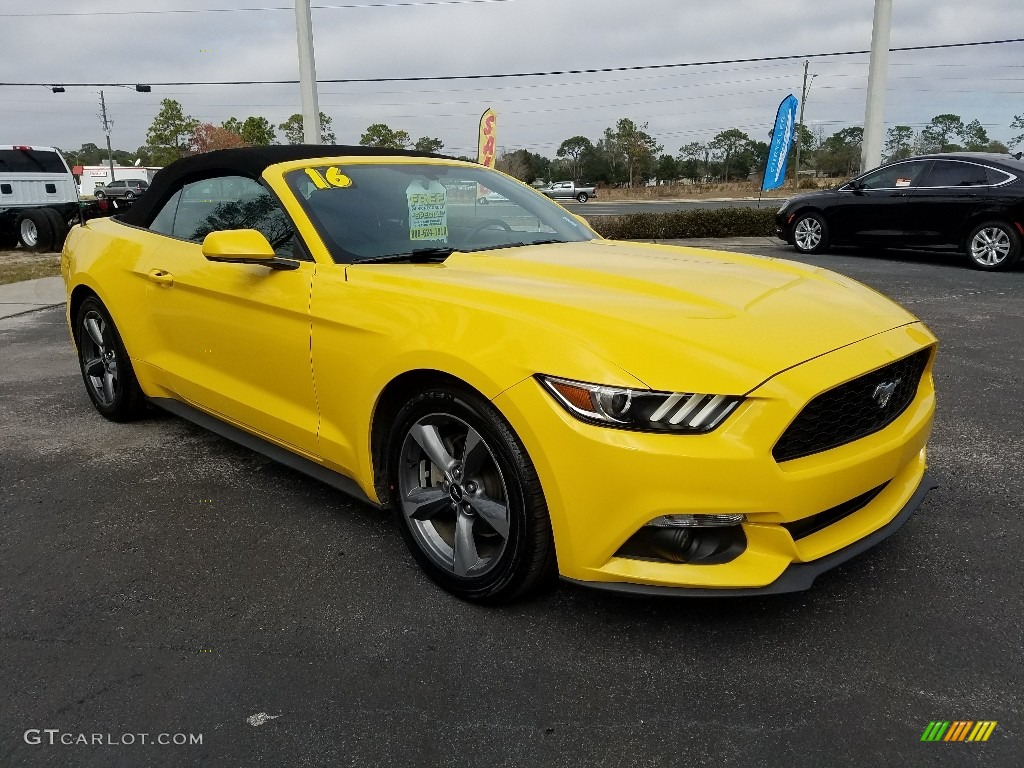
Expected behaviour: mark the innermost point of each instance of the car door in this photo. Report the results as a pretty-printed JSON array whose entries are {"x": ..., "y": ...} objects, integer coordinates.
[
  {"x": 233, "y": 339},
  {"x": 871, "y": 209},
  {"x": 947, "y": 197}
]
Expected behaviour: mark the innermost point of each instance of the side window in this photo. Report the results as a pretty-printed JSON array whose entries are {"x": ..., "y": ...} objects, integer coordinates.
[
  {"x": 996, "y": 177},
  {"x": 894, "y": 176},
  {"x": 163, "y": 223},
  {"x": 232, "y": 202},
  {"x": 945, "y": 173}
]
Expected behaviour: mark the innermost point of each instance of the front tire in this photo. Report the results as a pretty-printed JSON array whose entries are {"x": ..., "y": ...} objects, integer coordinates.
[
  {"x": 993, "y": 246},
  {"x": 467, "y": 497},
  {"x": 810, "y": 233},
  {"x": 98, "y": 194},
  {"x": 106, "y": 368}
]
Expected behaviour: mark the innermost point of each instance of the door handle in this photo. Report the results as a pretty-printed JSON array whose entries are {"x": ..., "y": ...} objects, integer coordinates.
[
  {"x": 161, "y": 277},
  {"x": 901, "y": 194}
]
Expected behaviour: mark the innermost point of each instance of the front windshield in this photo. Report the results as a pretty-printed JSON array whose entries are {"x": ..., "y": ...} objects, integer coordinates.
[{"x": 375, "y": 210}]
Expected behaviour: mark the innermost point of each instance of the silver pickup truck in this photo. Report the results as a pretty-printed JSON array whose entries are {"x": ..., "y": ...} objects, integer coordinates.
[{"x": 565, "y": 190}]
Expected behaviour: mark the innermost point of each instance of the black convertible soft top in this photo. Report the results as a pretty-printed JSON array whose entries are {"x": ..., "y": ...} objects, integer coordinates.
[{"x": 245, "y": 161}]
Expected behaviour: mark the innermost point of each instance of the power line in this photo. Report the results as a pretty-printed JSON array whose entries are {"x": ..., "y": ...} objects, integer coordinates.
[
  {"x": 422, "y": 78},
  {"x": 248, "y": 10}
]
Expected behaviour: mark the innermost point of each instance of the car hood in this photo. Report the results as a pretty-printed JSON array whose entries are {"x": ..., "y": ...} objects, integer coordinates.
[
  {"x": 674, "y": 318},
  {"x": 820, "y": 195}
]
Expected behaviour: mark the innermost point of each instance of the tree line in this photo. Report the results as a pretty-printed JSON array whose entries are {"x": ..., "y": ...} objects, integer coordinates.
[{"x": 625, "y": 154}]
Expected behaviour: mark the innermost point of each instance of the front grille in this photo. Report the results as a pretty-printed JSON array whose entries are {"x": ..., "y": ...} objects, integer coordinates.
[
  {"x": 798, "y": 529},
  {"x": 853, "y": 410}
]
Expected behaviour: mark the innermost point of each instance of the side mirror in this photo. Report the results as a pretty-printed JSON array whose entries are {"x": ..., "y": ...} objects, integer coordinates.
[{"x": 243, "y": 246}]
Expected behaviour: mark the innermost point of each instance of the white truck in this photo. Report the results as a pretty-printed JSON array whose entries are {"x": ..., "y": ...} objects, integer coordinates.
[
  {"x": 568, "y": 190},
  {"x": 39, "y": 198}
]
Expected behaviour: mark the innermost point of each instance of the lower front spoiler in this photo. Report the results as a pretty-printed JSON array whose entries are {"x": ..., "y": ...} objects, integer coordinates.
[{"x": 796, "y": 578}]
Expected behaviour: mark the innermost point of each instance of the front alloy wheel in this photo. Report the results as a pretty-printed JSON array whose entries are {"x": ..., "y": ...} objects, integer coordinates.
[
  {"x": 993, "y": 246},
  {"x": 467, "y": 498},
  {"x": 810, "y": 233}
]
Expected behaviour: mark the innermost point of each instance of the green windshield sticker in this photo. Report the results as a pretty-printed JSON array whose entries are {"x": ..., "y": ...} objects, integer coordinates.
[{"x": 428, "y": 211}]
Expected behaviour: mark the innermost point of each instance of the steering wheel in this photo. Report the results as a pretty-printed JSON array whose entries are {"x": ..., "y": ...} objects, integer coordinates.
[{"x": 486, "y": 224}]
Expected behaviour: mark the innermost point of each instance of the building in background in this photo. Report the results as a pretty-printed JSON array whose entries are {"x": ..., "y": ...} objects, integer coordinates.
[{"x": 89, "y": 177}]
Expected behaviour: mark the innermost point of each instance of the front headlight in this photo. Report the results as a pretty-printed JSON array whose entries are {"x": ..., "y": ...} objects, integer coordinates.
[{"x": 640, "y": 409}]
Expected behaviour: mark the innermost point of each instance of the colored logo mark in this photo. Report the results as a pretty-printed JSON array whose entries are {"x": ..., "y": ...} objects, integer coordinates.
[{"x": 958, "y": 730}]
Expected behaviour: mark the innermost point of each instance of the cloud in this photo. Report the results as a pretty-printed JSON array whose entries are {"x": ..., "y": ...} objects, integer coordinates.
[{"x": 680, "y": 105}]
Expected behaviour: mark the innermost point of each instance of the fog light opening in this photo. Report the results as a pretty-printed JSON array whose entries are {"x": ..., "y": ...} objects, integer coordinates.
[
  {"x": 698, "y": 521},
  {"x": 679, "y": 539}
]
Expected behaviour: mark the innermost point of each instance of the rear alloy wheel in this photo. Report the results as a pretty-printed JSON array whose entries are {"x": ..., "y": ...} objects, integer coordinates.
[
  {"x": 583, "y": 197},
  {"x": 99, "y": 195},
  {"x": 993, "y": 246},
  {"x": 35, "y": 230},
  {"x": 810, "y": 233},
  {"x": 129, "y": 195},
  {"x": 467, "y": 498},
  {"x": 106, "y": 368}
]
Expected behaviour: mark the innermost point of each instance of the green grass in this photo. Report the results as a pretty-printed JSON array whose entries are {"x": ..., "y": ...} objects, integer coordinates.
[{"x": 14, "y": 271}]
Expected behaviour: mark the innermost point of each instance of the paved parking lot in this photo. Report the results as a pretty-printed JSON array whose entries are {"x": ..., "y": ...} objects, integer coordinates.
[{"x": 159, "y": 580}]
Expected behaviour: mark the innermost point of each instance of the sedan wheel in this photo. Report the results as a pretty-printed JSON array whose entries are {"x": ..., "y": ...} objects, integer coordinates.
[
  {"x": 468, "y": 499},
  {"x": 810, "y": 234},
  {"x": 106, "y": 368},
  {"x": 993, "y": 246}
]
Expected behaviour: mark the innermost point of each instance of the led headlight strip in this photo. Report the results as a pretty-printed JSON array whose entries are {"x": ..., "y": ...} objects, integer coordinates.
[{"x": 640, "y": 409}]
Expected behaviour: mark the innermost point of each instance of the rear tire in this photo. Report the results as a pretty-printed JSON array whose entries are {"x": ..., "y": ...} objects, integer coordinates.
[
  {"x": 59, "y": 226},
  {"x": 467, "y": 498},
  {"x": 993, "y": 246},
  {"x": 583, "y": 197},
  {"x": 35, "y": 231},
  {"x": 98, "y": 194},
  {"x": 106, "y": 368},
  {"x": 810, "y": 233}
]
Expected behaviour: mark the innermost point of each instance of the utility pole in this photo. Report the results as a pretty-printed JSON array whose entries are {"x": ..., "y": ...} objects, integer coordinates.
[
  {"x": 878, "y": 64},
  {"x": 307, "y": 73},
  {"x": 800, "y": 122},
  {"x": 107, "y": 125}
]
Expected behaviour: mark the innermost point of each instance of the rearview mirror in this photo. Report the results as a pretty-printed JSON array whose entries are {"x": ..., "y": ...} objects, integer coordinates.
[{"x": 243, "y": 246}]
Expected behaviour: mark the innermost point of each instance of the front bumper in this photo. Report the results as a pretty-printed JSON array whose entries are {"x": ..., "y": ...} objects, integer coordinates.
[
  {"x": 602, "y": 485},
  {"x": 796, "y": 578}
]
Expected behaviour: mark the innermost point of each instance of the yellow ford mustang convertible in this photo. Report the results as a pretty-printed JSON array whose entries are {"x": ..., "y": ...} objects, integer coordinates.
[{"x": 530, "y": 399}]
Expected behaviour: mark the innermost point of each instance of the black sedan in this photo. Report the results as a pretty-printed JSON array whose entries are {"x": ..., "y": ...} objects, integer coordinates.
[{"x": 972, "y": 202}]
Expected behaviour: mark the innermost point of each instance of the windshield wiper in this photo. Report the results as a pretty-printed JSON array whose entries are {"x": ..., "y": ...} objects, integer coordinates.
[
  {"x": 416, "y": 256},
  {"x": 514, "y": 245}
]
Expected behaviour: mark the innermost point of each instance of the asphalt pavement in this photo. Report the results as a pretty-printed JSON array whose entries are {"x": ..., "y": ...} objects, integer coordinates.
[{"x": 159, "y": 580}]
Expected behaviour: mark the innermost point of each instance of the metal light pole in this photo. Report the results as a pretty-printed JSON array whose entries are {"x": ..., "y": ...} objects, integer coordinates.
[
  {"x": 107, "y": 125},
  {"x": 307, "y": 73},
  {"x": 874, "y": 110}
]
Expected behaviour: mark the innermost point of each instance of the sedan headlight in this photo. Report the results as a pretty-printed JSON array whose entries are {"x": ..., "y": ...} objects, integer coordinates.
[{"x": 640, "y": 409}]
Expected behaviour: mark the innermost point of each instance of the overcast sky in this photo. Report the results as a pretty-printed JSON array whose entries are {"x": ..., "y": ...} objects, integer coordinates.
[{"x": 680, "y": 105}]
